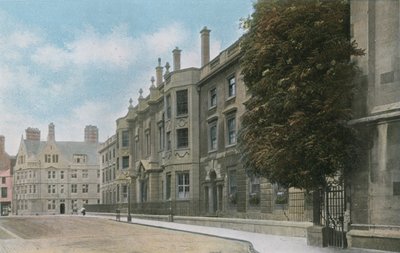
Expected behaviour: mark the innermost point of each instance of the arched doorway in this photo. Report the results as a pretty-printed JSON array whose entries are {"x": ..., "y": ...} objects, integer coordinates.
[{"x": 62, "y": 208}]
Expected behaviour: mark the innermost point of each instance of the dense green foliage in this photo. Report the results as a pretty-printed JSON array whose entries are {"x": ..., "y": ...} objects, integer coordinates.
[{"x": 296, "y": 65}]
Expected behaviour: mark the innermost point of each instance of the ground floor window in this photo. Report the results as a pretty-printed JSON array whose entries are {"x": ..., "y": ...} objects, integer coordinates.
[
  {"x": 254, "y": 191},
  {"x": 74, "y": 204},
  {"x": 232, "y": 187},
  {"x": 4, "y": 192},
  {"x": 125, "y": 192},
  {"x": 51, "y": 204},
  {"x": 183, "y": 185}
]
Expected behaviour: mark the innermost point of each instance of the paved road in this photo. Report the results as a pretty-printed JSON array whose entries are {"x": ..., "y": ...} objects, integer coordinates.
[
  {"x": 77, "y": 234},
  {"x": 262, "y": 243}
]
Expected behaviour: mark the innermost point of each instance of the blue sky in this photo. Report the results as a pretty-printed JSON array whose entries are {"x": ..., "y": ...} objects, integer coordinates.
[{"x": 78, "y": 62}]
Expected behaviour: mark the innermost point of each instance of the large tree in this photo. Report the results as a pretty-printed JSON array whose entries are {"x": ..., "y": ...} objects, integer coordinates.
[{"x": 297, "y": 66}]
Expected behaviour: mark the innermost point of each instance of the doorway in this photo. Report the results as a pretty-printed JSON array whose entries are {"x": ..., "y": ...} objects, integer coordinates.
[{"x": 62, "y": 208}]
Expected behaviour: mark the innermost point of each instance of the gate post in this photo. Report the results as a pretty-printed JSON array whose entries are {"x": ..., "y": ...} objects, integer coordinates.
[
  {"x": 316, "y": 234},
  {"x": 316, "y": 207}
]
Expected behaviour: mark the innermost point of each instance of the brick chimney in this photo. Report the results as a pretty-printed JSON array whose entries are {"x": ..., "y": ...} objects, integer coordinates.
[
  {"x": 2, "y": 144},
  {"x": 51, "y": 134},
  {"x": 177, "y": 58},
  {"x": 91, "y": 134},
  {"x": 32, "y": 134},
  {"x": 205, "y": 46}
]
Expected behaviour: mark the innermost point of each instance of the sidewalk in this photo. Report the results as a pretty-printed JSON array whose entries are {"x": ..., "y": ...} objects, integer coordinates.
[{"x": 262, "y": 243}]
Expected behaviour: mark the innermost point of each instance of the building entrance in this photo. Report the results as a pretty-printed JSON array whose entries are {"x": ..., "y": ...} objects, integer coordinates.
[{"x": 62, "y": 208}]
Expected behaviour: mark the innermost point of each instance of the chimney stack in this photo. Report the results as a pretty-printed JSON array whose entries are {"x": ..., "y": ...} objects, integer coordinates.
[
  {"x": 177, "y": 58},
  {"x": 159, "y": 73},
  {"x": 205, "y": 46},
  {"x": 2, "y": 144},
  {"x": 32, "y": 134},
  {"x": 51, "y": 134},
  {"x": 91, "y": 134}
]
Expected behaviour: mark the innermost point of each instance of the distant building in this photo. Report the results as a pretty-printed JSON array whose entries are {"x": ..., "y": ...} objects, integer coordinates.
[
  {"x": 56, "y": 177},
  {"x": 110, "y": 189},
  {"x": 6, "y": 183}
]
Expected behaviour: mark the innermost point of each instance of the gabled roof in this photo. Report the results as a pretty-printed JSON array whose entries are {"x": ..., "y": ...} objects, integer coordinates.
[
  {"x": 33, "y": 148},
  {"x": 66, "y": 149}
]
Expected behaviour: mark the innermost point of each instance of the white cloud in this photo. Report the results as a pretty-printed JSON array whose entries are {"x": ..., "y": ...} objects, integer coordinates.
[
  {"x": 165, "y": 39},
  {"x": 17, "y": 77},
  {"x": 91, "y": 49},
  {"x": 24, "y": 68},
  {"x": 192, "y": 58},
  {"x": 51, "y": 56},
  {"x": 71, "y": 127},
  {"x": 115, "y": 49},
  {"x": 24, "y": 39}
]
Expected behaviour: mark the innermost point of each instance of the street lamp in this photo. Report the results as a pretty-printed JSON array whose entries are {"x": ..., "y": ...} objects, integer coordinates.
[{"x": 125, "y": 176}]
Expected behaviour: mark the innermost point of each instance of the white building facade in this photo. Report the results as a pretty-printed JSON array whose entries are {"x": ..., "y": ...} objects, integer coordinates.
[{"x": 56, "y": 177}]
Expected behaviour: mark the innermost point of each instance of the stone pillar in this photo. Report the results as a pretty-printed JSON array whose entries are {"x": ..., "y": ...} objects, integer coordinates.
[
  {"x": 205, "y": 46},
  {"x": 265, "y": 196},
  {"x": 210, "y": 200},
  {"x": 382, "y": 146},
  {"x": 159, "y": 73}
]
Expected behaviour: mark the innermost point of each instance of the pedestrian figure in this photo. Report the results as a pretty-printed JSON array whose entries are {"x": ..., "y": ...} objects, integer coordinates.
[{"x": 83, "y": 211}]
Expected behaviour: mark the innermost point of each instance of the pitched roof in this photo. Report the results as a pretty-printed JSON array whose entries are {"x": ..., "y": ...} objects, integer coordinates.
[
  {"x": 66, "y": 148},
  {"x": 33, "y": 148}
]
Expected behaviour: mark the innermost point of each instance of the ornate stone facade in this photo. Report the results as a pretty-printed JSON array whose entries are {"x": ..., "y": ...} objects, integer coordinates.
[
  {"x": 374, "y": 189},
  {"x": 177, "y": 146}
]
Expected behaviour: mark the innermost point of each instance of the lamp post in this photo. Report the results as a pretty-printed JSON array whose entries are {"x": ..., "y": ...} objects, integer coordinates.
[
  {"x": 125, "y": 176},
  {"x": 129, "y": 218}
]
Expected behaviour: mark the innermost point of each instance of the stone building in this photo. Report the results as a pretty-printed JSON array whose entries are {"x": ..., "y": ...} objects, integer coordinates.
[
  {"x": 374, "y": 189},
  {"x": 110, "y": 192},
  {"x": 56, "y": 177},
  {"x": 157, "y": 142},
  {"x": 175, "y": 151},
  {"x": 6, "y": 172}
]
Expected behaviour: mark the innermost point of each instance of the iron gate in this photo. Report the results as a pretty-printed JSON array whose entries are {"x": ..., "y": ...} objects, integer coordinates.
[{"x": 333, "y": 209}]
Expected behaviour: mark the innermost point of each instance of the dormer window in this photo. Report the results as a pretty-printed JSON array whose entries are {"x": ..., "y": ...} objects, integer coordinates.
[
  {"x": 47, "y": 158},
  {"x": 80, "y": 158},
  {"x": 55, "y": 158}
]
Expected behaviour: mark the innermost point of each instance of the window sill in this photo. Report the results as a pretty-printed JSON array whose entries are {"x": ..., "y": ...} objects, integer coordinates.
[
  {"x": 229, "y": 99},
  {"x": 212, "y": 151},
  {"x": 185, "y": 199},
  {"x": 231, "y": 145},
  {"x": 182, "y": 148},
  {"x": 182, "y": 116}
]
